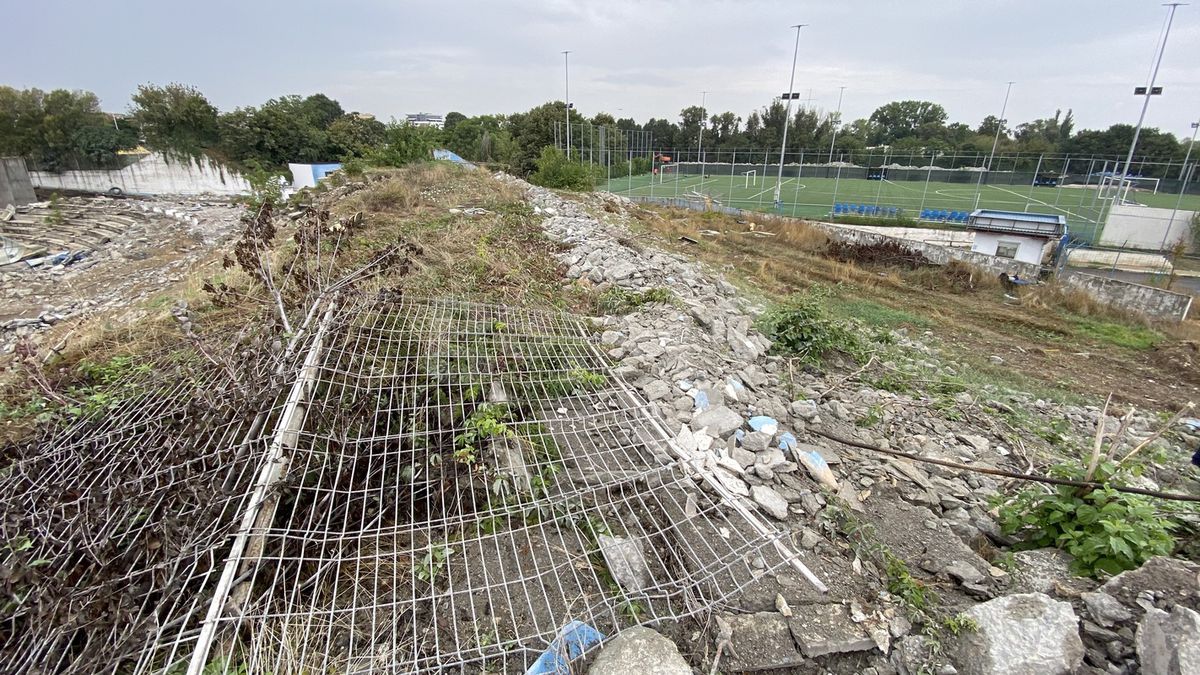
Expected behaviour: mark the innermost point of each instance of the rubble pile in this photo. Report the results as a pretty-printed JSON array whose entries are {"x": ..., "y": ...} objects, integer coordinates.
[
  {"x": 74, "y": 257},
  {"x": 745, "y": 416}
]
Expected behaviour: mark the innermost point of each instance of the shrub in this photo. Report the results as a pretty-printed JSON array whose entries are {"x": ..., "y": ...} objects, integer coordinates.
[
  {"x": 1105, "y": 530},
  {"x": 802, "y": 327},
  {"x": 554, "y": 170}
]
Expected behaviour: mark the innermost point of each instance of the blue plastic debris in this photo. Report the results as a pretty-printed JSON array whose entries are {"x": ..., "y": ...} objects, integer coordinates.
[
  {"x": 818, "y": 468},
  {"x": 765, "y": 424},
  {"x": 701, "y": 398},
  {"x": 787, "y": 441},
  {"x": 572, "y": 641},
  {"x": 738, "y": 436}
]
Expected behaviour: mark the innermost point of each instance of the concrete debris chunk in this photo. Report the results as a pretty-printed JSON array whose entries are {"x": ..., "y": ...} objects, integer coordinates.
[
  {"x": 963, "y": 572},
  {"x": 770, "y": 500},
  {"x": 761, "y": 641},
  {"x": 1023, "y": 634},
  {"x": 1169, "y": 643},
  {"x": 626, "y": 562},
  {"x": 756, "y": 441},
  {"x": 828, "y": 629},
  {"x": 639, "y": 650},
  {"x": 657, "y": 390},
  {"x": 720, "y": 421},
  {"x": 1105, "y": 609}
]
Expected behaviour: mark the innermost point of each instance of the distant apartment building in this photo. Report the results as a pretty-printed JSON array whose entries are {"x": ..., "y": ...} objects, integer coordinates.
[{"x": 424, "y": 120}]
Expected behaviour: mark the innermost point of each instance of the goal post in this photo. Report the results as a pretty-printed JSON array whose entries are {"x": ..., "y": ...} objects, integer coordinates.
[
  {"x": 671, "y": 170},
  {"x": 751, "y": 177}
]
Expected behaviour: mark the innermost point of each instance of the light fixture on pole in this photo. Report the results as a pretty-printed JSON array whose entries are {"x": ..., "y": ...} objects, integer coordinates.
[
  {"x": 700, "y": 147},
  {"x": 1182, "y": 187},
  {"x": 789, "y": 95},
  {"x": 995, "y": 142},
  {"x": 567, "y": 102},
  {"x": 837, "y": 121},
  {"x": 1148, "y": 91}
]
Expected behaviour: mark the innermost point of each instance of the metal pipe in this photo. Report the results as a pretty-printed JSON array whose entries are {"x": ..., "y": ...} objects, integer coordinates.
[
  {"x": 1182, "y": 187},
  {"x": 836, "y": 122},
  {"x": 1137, "y": 131}
]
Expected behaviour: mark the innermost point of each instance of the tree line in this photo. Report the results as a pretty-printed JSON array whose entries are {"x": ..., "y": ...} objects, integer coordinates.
[{"x": 58, "y": 129}]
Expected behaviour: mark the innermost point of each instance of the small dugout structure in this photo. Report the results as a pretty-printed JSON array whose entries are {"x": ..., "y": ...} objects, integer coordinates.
[{"x": 1019, "y": 236}]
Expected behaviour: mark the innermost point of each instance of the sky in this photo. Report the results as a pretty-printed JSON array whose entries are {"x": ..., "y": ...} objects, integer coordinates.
[{"x": 630, "y": 58}]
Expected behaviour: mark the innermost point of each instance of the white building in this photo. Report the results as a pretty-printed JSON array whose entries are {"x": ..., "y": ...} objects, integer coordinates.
[
  {"x": 424, "y": 120},
  {"x": 1024, "y": 237}
]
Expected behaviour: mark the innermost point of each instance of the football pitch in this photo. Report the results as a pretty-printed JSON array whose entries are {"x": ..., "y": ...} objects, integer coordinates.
[{"x": 1083, "y": 206}]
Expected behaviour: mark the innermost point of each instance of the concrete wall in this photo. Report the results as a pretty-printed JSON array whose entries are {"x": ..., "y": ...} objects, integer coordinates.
[
  {"x": 925, "y": 235},
  {"x": 1132, "y": 226},
  {"x": 1153, "y": 302},
  {"x": 1029, "y": 249},
  {"x": 1122, "y": 260},
  {"x": 15, "y": 186},
  {"x": 153, "y": 174}
]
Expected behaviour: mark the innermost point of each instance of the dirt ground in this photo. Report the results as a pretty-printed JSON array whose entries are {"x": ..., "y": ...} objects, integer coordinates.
[{"x": 1039, "y": 339}]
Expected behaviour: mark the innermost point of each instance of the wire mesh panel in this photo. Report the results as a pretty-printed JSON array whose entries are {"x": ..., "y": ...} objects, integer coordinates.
[
  {"x": 105, "y": 520},
  {"x": 465, "y": 481}
]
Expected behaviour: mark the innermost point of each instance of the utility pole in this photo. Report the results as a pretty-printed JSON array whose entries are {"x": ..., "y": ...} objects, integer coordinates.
[
  {"x": 995, "y": 142},
  {"x": 567, "y": 103},
  {"x": 837, "y": 122},
  {"x": 787, "y": 115},
  {"x": 700, "y": 147},
  {"x": 1137, "y": 131},
  {"x": 1182, "y": 187}
]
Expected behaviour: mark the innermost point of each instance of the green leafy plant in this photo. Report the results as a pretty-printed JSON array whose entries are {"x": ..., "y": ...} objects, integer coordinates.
[
  {"x": 433, "y": 563},
  {"x": 1106, "y": 531},
  {"x": 802, "y": 327},
  {"x": 958, "y": 624},
  {"x": 486, "y": 422},
  {"x": 617, "y": 300},
  {"x": 555, "y": 170}
]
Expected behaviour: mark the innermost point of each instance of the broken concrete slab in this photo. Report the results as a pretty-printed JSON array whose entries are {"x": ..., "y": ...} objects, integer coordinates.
[
  {"x": 761, "y": 641},
  {"x": 639, "y": 650},
  {"x": 1169, "y": 643},
  {"x": 1023, "y": 634},
  {"x": 719, "y": 420},
  {"x": 770, "y": 501},
  {"x": 963, "y": 572},
  {"x": 626, "y": 562},
  {"x": 757, "y": 441},
  {"x": 828, "y": 629},
  {"x": 1105, "y": 609},
  {"x": 1179, "y": 577}
]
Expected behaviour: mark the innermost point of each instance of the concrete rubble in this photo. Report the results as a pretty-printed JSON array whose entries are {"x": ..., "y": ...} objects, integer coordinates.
[
  {"x": 1023, "y": 634},
  {"x": 81, "y": 256},
  {"x": 639, "y": 650},
  {"x": 743, "y": 415}
]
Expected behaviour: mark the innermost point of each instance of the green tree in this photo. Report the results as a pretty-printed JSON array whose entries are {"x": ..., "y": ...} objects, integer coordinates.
[
  {"x": 535, "y": 129},
  {"x": 175, "y": 119},
  {"x": 900, "y": 119},
  {"x": 405, "y": 144},
  {"x": 320, "y": 111},
  {"x": 356, "y": 135},
  {"x": 452, "y": 120},
  {"x": 56, "y": 130}
]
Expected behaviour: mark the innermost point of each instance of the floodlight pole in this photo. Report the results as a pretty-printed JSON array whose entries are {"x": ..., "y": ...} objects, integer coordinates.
[
  {"x": 995, "y": 143},
  {"x": 1182, "y": 187},
  {"x": 1137, "y": 130},
  {"x": 567, "y": 102},
  {"x": 700, "y": 147},
  {"x": 837, "y": 121},
  {"x": 787, "y": 115}
]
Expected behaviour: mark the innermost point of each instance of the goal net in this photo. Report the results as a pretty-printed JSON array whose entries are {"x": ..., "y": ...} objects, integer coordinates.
[{"x": 668, "y": 171}]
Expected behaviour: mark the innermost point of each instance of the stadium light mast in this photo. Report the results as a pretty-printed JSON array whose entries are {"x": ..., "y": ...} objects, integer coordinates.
[
  {"x": 567, "y": 95},
  {"x": 837, "y": 121},
  {"x": 1137, "y": 130},
  {"x": 700, "y": 147},
  {"x": 1182, "y": 186},
  {"x": 787, "y": 114},
  {"x": 995, "y": 143}
]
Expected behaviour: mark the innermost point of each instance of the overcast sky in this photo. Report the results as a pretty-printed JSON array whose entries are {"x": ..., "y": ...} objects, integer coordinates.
[{"x": 630, "y": 58}]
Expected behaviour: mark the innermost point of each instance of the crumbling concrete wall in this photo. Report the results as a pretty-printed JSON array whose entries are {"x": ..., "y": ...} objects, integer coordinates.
[
  {"x": 1155, "y": 303},
  {"x": 153, "y": 174},
  {"x": 15, "y": 185},
  {"x": 1145, "y": 227},
  {"x": 925, "y": 235}
]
